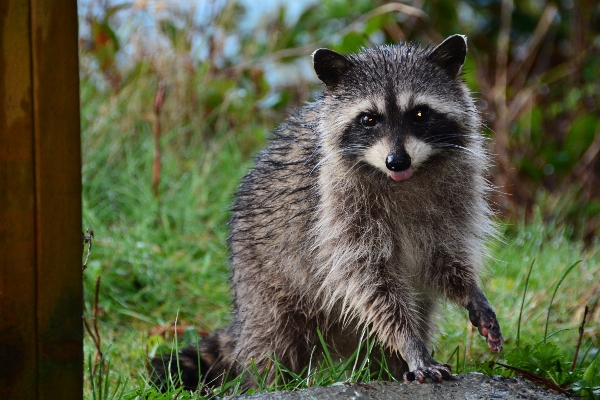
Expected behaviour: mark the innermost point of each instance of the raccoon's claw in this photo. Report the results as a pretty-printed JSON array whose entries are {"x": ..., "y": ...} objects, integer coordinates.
[
  {"x": 436, "y": 373},
  {"x": 488, "y": 328},
  {"x": 491, "y": 331}
]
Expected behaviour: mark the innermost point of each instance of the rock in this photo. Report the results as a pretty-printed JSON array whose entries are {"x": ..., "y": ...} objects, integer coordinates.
[{"x": 469, "y": 386}]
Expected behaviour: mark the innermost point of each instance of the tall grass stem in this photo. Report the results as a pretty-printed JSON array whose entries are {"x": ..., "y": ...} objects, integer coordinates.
[
  {"x": 522, "y": 304},
  {"x": 554, "y": 294}
]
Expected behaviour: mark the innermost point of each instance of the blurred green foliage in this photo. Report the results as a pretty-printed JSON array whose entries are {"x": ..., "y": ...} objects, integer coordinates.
[{"x": 224, "y": 75}]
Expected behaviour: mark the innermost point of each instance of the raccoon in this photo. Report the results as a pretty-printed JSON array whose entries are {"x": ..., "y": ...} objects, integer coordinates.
[{"x": 367, "y": 208}]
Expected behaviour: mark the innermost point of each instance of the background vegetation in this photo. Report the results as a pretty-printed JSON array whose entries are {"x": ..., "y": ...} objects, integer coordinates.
[{"x": 176, "y": 99}]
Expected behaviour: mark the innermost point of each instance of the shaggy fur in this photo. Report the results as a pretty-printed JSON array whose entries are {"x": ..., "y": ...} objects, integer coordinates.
[{"x": 322, "y": 237}]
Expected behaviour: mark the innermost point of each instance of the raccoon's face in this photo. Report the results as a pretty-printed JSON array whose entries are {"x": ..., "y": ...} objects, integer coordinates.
[
  {"x": 391, "y": 110},
  {"x": 400, "y": 138}
]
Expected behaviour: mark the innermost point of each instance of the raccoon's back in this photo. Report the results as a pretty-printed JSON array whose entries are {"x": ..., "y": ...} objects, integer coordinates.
[{"x": 276, "y": 201}]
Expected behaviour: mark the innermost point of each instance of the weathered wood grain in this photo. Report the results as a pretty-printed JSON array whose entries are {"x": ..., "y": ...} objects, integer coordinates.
[
  {"x": 41, "y": 331},
  {"x": 18, "y": 348}
]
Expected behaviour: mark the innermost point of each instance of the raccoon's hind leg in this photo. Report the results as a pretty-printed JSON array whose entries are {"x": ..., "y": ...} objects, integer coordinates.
[
  {"x": 283, "y": 333},
  {"x": 195, "y": 366}
]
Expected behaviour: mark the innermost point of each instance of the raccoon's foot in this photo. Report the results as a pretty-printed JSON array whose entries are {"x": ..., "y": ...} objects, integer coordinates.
[
  {"x": 421, "y": 365},
  {"x": 482, "y": 316},
  {"x": 436, "y": 372}
]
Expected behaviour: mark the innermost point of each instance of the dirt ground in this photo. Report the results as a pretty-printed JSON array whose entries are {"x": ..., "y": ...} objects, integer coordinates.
[{"x": 468, "y": 386}]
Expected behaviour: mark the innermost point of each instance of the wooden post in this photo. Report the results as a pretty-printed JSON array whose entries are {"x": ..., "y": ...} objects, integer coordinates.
[{"x": 41, "y": 334}]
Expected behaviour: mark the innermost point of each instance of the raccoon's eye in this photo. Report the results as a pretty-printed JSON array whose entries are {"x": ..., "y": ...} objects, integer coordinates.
[
  {"x": 368, "y": 120},
  {"x": 420, "y": 115}
]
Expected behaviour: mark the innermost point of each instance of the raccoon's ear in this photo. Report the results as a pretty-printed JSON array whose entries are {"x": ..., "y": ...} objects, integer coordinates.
[
  {"x": 450, "y": 55},
  {"x": 330, "y": 66}
]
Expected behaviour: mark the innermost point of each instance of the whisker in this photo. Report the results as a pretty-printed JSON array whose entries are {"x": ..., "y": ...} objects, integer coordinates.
[{"x": 456, "y": 146}]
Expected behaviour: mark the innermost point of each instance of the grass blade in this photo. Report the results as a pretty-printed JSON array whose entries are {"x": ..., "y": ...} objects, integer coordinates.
[
  {"x": 106, "y": 380},
  {"x": 90, "y": 369},
  {"x": 552, "y": 334},
  {"x": 523, "y": 303},
  {"x": 554, "y": 294},
  {"x": 457, "y": 352},
  {"x": 328, "y": 358}
]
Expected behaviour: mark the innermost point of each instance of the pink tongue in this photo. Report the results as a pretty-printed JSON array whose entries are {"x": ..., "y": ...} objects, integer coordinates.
[{"x": 401, "y": 175}]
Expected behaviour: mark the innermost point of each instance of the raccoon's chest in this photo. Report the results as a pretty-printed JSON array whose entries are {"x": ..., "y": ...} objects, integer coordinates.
[
  {"x": 392, "y": 226},
  {"x": 405, "y": 233}
]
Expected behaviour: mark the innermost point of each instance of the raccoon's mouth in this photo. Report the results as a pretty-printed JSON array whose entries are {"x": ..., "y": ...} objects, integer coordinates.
[{"x": 401, "y": 175}]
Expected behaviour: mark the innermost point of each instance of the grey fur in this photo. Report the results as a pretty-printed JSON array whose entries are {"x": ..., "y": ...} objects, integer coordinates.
[{"x": 322, "y": 237}]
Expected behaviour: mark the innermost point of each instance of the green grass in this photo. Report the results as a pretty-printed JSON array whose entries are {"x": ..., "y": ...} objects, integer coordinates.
[
  {"x": 163, "y": 259},
  {"x": 539, "y": 291}
]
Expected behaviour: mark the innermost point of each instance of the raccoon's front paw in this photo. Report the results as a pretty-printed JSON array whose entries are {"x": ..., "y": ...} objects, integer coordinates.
[
  {"x": 486, "y": 322},
  {"x": 491, "y": 331},
  {"x": 436, "y": 372}
]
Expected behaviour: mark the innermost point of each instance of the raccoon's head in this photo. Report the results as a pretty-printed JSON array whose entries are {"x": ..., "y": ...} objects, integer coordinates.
[{"x": 393, "y": 109}]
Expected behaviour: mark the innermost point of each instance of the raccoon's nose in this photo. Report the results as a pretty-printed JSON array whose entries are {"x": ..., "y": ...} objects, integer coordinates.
[{"x": 398, "y": 162}]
